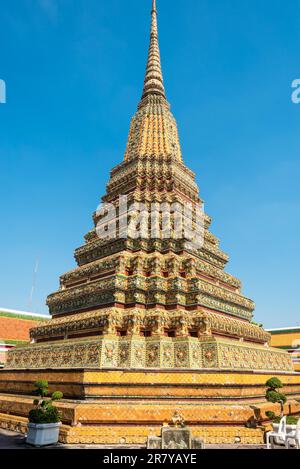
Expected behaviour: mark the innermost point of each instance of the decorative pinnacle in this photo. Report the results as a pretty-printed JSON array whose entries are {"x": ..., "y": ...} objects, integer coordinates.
[{"x": 153, "y": 84}]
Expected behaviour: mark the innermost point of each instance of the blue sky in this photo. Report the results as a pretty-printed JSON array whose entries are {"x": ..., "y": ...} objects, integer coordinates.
[{"x": 74, "y": 72}]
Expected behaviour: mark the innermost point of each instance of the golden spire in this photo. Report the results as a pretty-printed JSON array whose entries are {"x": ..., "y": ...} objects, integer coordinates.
[
  {"x": 153, "y": 84},
  {"x": 153, "y": 131}
]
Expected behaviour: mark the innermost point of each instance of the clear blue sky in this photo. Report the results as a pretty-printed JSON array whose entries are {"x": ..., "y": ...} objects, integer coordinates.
[{"x": 74, "y": 72}]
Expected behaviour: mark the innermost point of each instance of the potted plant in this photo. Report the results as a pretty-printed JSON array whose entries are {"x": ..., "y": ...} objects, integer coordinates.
[
  {"x": 273, "y": 395},
  {"x": 45, "y": 418}
]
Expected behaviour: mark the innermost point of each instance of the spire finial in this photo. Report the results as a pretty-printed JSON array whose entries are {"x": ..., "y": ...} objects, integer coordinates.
[{"x": 154, "y": 84}]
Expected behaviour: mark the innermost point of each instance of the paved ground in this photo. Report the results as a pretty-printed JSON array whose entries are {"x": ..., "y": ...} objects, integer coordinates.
[{"x": 11, "y": 440}]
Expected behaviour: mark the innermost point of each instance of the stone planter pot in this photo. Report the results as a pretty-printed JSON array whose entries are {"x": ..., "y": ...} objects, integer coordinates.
[
  {"x": 289, "y": 429},
  {"x": 43, "y": 434}
]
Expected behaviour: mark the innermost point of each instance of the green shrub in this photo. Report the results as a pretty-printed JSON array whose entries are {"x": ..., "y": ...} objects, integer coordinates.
[
  {"x": 57, "y": 395},
  {"x": 274, "y": 383},
  {"x": 41, "y": 388},
  {"x": 41, "y": 384},
  {"x": 271, "y": 415},
  {"x": 36, "y": 416},
  {"x": 289, "y": 420},
  {"x": 282, "y": 397},
  {"x": 272, "y": 394},
  {"x": 275, "y": 396},
  {"x": 44, "y": 411},
  {"x": 51, "y": 415}
]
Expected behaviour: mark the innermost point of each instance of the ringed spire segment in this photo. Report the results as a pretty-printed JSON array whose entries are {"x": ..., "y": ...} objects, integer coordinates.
[{"x": 154, "y": 83}]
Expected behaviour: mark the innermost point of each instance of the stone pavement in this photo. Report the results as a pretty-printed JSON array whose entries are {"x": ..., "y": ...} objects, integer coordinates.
[{"x": 12, "y": 440}]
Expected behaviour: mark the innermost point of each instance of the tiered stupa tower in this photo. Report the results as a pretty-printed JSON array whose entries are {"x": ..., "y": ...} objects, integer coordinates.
[{"x": 150, "y": 323}]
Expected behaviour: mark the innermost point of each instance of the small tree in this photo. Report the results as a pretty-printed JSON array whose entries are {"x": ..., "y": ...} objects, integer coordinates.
[
  {"x": 273, "y": 395},
  {"x": 44, "y": 411}
]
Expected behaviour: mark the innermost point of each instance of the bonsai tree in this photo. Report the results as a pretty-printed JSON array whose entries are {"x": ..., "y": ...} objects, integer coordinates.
[
  {"x": 273, "y": 395},
  {"x": 45, "y": 411}
]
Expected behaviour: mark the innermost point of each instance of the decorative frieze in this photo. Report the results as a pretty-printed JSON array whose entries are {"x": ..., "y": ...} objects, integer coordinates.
[
  {"x": 155, "y": 352},
  {"x": 158, "y": 322},
  {"x": 149, "y": 290}
]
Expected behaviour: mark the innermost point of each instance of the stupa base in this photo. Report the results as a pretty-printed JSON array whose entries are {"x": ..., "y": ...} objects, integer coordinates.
[
  {"x": 125, "y": 407},
  {"x": 137, "y": 434}
]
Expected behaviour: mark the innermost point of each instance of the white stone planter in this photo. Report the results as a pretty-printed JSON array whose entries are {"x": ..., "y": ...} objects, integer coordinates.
[
  {"x": 43, "y": 434},
  {"x": 289, "y": 429}
]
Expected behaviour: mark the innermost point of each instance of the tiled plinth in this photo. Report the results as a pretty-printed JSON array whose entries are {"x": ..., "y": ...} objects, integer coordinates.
[{"x": 117, "y": 406}]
